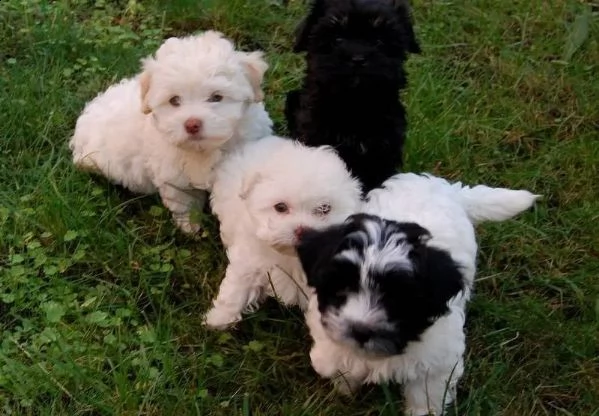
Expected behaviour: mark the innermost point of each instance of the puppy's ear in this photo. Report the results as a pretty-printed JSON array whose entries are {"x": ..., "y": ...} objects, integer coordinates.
[
  {"x": 255, "y": 67},
  {"x": 404, "y": 11},
  {"x": 304, "y": 28},
  {"x": 248, "y": 184},
  {"x": 434, "y": 269},
  {"x": 440, "y": 277},
  {"x": 415, "y": 234},
  {"x": 144, "y": 84}
]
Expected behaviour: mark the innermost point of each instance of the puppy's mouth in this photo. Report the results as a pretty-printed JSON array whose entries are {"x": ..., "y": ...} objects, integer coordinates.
[
  {"x": 195, "y": 137},
  {"x": 193, "y": 142},
  {"x": 200, "y": 141}
]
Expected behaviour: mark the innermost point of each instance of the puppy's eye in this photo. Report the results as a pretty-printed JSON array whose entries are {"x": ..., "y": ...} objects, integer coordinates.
[
  {"x": 342, "y": 294},
  {"x": 281, "y": 208},
  {"x": 215, "y": 98},
  {"x": 175, "y": 101},
  {"x": 322, "y": 210},
  {"x": 338, "y": 40}
]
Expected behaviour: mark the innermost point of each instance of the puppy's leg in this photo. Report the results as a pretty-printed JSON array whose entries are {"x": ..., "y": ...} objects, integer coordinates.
[
  {"x": 347, "y": 384},
  {"x": 180, "y": 202},
  {"x": 329, "y": 362},
  {"x": 324, "y": 358},
  {"x": 240, "y": 290},
  {"x": 430, "y": 394}
]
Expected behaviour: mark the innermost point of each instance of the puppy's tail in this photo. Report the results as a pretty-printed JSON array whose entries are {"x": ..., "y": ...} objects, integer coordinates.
[{"x": 483, "y": 203}]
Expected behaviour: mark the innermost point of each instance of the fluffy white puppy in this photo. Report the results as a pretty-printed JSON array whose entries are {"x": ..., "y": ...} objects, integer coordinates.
[
  {"x": 163, "y": 130},
  {"x": 390, "y": 286},
  {"x": 264, "y": 195}
]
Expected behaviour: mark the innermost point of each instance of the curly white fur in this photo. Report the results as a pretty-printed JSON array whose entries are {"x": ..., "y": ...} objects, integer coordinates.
[
  {"x": 431, "y": 367},
  {"x": 135, "y": 132},
  {"x": 317, "y": 190}
]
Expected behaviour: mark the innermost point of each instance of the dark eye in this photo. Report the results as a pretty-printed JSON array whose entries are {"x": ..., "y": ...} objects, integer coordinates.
[
  {"x": 215, "y": 98},
  {"x": 175, "y": 101},
  {"x": 322, "y": 209},
  {"x": 341, "y": 296},
  {"x": 336, "y": 298},
  {"x": 281, "y": 208}
]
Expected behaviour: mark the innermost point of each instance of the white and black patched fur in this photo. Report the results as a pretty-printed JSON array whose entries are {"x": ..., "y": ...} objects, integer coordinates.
[{"x": 390, "y": 285}]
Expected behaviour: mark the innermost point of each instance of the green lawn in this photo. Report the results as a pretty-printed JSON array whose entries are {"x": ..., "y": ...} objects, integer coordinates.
[{"x": 101, "y": 297}]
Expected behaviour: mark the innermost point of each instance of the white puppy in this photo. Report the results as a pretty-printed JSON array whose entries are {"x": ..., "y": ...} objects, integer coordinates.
[
  {"x": 264, "y": 196},
  {"x": 163, "y": 130},
  {"x": 390, "y": 286}
]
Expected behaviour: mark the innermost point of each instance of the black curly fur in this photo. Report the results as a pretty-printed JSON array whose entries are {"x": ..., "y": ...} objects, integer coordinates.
[{"x": 350, "y": 95}]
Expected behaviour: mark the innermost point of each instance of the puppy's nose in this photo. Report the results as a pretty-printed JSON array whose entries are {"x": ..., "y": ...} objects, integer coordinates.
[
  {"x": 358, "y": 59},
  {"x": 193, "y": 125},
  {"x": 298, "y": 232},
  {"x": 361, "y": 334}
]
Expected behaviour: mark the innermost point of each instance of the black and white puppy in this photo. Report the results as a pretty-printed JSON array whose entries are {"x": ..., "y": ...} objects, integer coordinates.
[
  {"x": 390, "y": 286},
  {"x": 350, "y": 95}
]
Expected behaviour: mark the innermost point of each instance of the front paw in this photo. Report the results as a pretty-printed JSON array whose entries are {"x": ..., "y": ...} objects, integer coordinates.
[
  {"x": 420, "y": 412},
  {"x": 184, "y": 224},
  {"x": 345, "y": 385},
  {"x": 219, "y": 319},
  {"x": 323, "y": 362}
]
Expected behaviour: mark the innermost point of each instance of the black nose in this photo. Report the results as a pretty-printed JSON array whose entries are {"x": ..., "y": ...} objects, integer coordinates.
[
  {"x": 358, "y": 59},
  {"x": 361, "y": 334}
]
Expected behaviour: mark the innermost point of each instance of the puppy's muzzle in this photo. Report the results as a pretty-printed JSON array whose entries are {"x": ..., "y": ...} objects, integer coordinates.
[
  {"x": 358, "y": 60},
  {"x": 375, "y": 342}
]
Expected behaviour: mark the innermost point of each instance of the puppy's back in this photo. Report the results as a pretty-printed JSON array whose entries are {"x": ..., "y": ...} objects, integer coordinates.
[
  {"x": 108, "y": 125},
  {"x": 425, "y": 200},
  {"x": 409, "y": 194}
]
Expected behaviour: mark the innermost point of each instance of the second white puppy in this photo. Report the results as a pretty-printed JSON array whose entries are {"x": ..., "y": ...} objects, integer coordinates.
[
  {"x": 164, "y": 130},
  {"x": 264, "y": 196}
]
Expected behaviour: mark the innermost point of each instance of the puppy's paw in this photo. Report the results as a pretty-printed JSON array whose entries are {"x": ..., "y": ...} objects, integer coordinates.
[
  {"x": 412, "y": 411},
  {"x": 322, "y": 362},
  {"x": 185, "y": 225},
  {"x": 346, "y": 386},
  {"x": 219, "y": 319}
]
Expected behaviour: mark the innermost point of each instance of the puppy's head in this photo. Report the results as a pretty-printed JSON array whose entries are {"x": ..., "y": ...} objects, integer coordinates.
[
  {"x": 294, "y": 187},
  {"x": 378, "y": 283},
  {"x": 198, "y": 88},
  {"x": 358, "y": 36}
]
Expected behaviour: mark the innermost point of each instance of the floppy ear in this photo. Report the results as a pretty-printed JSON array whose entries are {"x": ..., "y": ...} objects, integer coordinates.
[
  {"x": 144, "y": 84},
  {"x": 434, "y": 269},
  {"x": 255, "y": 67},
  {"x": 440, "y": 276},
  {"x": 415, "y": 234},
  {"x": 304, "y": 28},
  {"x": 248, "y": 184},
  {"x": 403, "y": 9}
]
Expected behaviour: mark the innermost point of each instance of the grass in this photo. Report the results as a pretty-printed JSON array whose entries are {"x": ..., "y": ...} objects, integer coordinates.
[{"x": 101, "y": 298}]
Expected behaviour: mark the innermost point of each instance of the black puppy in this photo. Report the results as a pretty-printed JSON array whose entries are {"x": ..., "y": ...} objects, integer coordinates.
[{"x": 350, "y": 95}]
